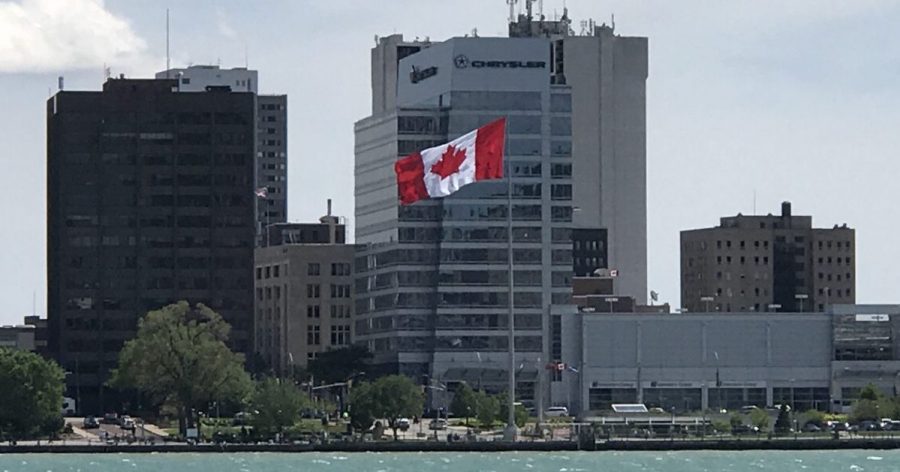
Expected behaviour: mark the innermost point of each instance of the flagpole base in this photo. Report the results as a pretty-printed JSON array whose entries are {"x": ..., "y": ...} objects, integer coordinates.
[{"x": 510, "y": 433}]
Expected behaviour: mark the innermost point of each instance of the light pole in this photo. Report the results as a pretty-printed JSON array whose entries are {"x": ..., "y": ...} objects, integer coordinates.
[
  {"x": 800, "y": 297},
  {"x": 706, "y": 300}
]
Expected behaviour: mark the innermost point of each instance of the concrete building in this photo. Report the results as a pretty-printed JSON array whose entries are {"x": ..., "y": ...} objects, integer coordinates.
[
  {"x": 767, "y": 263},
  {"x": 432, "y": 281},
  {"x": 40, "y": 333},
  {"x": 21, "y": 337},
  {"x": 271, "y": 142},
  {"x": 432, "y": 287},
  {"x": 699, "y": 361},
  {"x": 149, "y": 201},
  {"x": 304, "y": 294}
]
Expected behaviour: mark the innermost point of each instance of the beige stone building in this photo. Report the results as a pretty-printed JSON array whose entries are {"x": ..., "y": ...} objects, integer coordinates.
[
  {"x": 767, "y": 263},
  {"x": 304, "y": 295}
]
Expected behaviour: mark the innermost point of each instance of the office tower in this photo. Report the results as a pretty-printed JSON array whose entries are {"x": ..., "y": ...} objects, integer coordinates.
[
  {"x": 149, "y": 201},
  {"x": 271, "y": 142},
  {"x": 432, "y": 279},
  {"x": 304, "y": 293},
  {"x": 607, "y": 75},
  {"x": 767, "y": 263}
]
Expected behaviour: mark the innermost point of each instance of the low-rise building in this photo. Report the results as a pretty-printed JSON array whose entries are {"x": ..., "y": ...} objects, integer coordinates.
[
  {"x": 700, "y": 361},
  {"x": 304, "y": 295},
  {"x": 19, "y": 337}
]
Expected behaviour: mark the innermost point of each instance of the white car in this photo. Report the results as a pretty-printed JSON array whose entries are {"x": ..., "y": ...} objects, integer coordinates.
[
  {"x": 403, "y": 424},
  {"x": 557, "y": 411}
]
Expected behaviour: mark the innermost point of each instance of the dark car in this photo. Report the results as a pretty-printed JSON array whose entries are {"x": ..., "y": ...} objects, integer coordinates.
[
  {"x": 110, "y": 418},
  {"x": 90, "y": 423},
  {"x": 744, "y": 429}
]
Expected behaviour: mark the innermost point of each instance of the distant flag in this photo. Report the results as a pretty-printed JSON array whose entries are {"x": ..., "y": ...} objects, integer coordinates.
[
  {"x": 262, "y": 192},
  {"x": 614, "y": 273},
  {"x": 571, "y": 369}
]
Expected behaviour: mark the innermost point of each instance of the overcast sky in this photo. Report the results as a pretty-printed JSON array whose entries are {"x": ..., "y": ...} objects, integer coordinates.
[{"x": 795, "y": 100}]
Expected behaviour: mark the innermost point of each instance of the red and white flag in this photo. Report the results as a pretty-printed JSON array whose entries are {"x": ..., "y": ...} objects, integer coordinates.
[{"x": 442, "y": 170}]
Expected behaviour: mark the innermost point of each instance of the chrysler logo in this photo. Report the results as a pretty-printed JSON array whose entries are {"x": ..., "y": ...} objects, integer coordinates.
[{"x": 462, "y": 61}]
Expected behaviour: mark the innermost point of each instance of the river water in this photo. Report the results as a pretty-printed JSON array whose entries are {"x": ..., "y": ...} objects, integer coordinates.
[{"x": 780, "y": 461}]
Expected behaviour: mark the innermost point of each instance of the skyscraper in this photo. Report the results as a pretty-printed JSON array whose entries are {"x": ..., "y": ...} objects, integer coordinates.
[
  {"x": 432, "y": 280},
  {"x": 767, "y": 263},
  {"x": 271, "y": 142},
  {"x": 149, "y": 201}
]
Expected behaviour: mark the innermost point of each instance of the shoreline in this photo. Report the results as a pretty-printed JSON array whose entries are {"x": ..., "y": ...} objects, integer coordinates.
[{"x": 486, "y": 446}]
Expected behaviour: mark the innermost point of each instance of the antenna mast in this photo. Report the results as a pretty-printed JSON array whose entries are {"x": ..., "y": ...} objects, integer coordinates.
[
  {"x": 512, "y": 10},
  {"x": 167, "y": 43}
]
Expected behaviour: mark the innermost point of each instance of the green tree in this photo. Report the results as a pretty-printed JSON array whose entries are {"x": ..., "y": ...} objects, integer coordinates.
[
  {"x": 464, "y": 401},
  {"x": 487, "y": 407},
  {"x": 276, "y": 405},
  {"x": 179, "y": 357},
  {"x": 870, "y": 392},
  {"x": 338, "y": 365},
  {"x": 760, "y": 419},
  {"x": 783, "y": 422},
  {"x": 31, "y": 395},
  {"x": 815, "y": 417},
  {"x": 392, "y": 397},
  {"x": 736, "y": 420},
  {"x": 521, "y": 414},
  {"x": 865, "y": 409},
  {"x": 362, "y": 406}
]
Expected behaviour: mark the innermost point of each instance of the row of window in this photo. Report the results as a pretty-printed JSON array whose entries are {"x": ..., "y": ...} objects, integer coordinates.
[
  {"x": 337, "y": 269},
  {"x": 337, "y": 291},
  {"x": 340, "y": 335}
]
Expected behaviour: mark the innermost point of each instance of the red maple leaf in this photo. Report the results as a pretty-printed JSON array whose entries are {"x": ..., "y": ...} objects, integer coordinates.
[{"x": 449, "y": 162}]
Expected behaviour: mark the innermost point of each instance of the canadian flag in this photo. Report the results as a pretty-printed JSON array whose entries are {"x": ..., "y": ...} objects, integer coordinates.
[{"x": 442, "y": 170}]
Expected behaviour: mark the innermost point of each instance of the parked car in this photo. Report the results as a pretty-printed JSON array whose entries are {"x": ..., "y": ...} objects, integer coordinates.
[
  {"x": 744, "y": 429},
  {"x": 403, "y": 424},
  {"x": 90, "y": 423},
  {"x": 812, "y": 428},
  {"x": 438, "y": 424},
  {"x": 748, "y": 409},
  {"x": 838, "y": 426},
  {"x": 557, "y": 411},
  {"x": 126, "y": 422},
  {"x": 110, "y": 418}
]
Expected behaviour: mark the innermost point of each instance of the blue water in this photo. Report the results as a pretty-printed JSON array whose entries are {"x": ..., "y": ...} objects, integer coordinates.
[{"x": 713, "y": 461}]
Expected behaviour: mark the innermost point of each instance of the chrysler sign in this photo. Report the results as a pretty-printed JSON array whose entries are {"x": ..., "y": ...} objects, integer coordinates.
[{"x": 462, "y": 61}]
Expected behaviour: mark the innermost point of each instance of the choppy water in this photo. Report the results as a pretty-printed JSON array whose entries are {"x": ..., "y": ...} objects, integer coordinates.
[{"x": 780, "y": 461}]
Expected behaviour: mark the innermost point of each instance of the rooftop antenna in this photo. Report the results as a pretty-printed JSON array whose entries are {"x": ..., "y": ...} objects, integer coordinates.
[
  {"x": 246, "y": 57},
  {"x": 167, "y": 44},
  {"x": 613, "y": 21},
  {"x": 512, "y": 10},
  {"x": 754, "y": 201}
]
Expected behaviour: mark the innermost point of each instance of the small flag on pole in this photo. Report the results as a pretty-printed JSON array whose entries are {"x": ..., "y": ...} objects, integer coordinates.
[
  {"x": 262, "y": 192},
  {"x": 571, "y": 369}
]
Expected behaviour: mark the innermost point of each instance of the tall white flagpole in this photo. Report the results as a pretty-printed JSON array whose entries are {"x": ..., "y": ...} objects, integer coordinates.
[{"x": 510, "y": 433}]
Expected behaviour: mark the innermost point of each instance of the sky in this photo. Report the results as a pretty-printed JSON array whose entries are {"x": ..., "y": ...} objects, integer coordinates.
[{"x": 795, "y": 101}]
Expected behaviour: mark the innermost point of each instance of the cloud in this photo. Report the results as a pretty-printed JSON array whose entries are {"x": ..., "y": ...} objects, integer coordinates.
[
  {"x": 56, "y": 35},
  {"x": 224, "y": 26}
]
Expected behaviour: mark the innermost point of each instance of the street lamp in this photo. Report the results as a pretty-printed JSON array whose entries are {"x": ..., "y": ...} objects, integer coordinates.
[
  {"x": 800, "y": 297},
  {"x": 707, "y": 300}
]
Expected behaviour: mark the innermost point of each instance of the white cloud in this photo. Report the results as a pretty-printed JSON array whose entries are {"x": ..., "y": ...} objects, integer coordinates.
[{"x": 56, "y": 35}]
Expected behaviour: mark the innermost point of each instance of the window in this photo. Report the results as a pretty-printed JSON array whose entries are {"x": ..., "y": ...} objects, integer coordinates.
[
  {"x": 312, "y": 335},
  {"x": 275, "y": 270},
  {"x": 340, "y": 268},
  {"x": 268, "y": 272},
  {"x": 340, "y": 335},
  {"x": 312, "y": 311},
  {"x": 312, "y": 291},
  {"x": 312, "y": 268}
]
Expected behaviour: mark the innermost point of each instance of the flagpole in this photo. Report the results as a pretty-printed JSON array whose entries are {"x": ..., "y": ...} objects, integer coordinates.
[{"x": 510, "y": 433}]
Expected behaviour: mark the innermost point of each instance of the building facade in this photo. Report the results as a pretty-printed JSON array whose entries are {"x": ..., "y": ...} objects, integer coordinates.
[
  {"x": 432, "y": 279},
  {"x": 271, "y": 142},
  {"x": 20, "y": 337},
  {"x": 304, "y": 295},
  {"x": 708, "y": 361},
  {"x": 150, "y": 201},
  {"x": 767, "y": 263}
]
